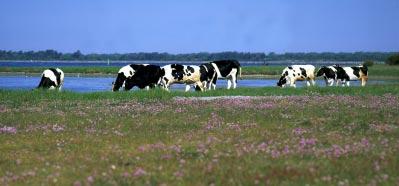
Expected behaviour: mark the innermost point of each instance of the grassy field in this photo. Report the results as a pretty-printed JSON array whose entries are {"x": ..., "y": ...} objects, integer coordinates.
[
  {"x": 316, "y": 136},
  {"x": 376, "y": 71}
]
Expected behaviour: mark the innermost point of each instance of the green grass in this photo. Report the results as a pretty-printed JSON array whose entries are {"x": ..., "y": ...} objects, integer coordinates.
[
  {"x": 22, "y": 96},
  {"x": 376, "y": 71},
  {"x": 316, "y": 136}
]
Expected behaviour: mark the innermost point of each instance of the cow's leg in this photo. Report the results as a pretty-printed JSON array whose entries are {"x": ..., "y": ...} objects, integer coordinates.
[
  {"x": 348, "y": 83},
  {"x": 338, "y": 82},
  {"x": 312, "y": 81},
  {"x": 234, "y": 80},
  {"x": 343, "y": 83},
  {"x": 308, "y": 83},
  {"x": 209, "y": 85},
  {"x": 200, "y": 85},
  {"x": 228, "y": 83},
  {"x": 214, "y": 83},
  {"x": 188, "y": 88},
  {"x": 331, "y": 82},
  {"x": 147, "y": 87},
  {"x": 326, "y": 80},
  {"x": 292, "y": 83}
]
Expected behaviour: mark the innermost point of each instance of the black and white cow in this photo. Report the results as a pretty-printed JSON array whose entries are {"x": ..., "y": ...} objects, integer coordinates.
[
  {"x": 344, "y": 75},
  {"x": 140, "y": 75},
  {"x": 181, "y": 74},
  {"x": 329, "y": 73},
  {"x": 52, "y": 78},
  {"x": 295, "y": 73},
  {"x": 227, "y": 69}
]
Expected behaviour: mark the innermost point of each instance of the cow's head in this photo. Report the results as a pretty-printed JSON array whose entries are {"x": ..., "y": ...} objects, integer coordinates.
[
  {"x": 118, "y": 82},
  {"x": 283, "y": 79}
]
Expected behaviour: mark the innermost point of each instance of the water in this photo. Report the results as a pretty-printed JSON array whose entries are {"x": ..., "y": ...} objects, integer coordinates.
[
  {"x": 95, "y": 84},
  {"x": 160, "y": 63}
]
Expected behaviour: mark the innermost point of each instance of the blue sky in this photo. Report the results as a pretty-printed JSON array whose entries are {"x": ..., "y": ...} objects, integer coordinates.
[{"x": 183, "y": 26}]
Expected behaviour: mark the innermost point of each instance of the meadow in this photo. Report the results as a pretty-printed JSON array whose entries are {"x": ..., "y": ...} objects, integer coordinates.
[{"x": 317, "y": 136}]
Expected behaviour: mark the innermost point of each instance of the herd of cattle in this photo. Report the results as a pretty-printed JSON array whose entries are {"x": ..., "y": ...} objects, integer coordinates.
[{"x": 204, "y": 77}]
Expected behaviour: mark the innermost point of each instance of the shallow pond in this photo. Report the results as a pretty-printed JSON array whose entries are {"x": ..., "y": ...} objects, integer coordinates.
[{"x": 93, "y": 84}]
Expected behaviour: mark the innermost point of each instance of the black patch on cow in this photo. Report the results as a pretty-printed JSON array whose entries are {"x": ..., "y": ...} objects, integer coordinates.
[
  {"x": 166, "y": 80},
  {"x": 290, "y": 68},
  {"x": 356, "y": 71},
  {"x": 177, "y": 71},
  {"x": 190, "y": 69},
  {"x": 328, "y": 72},
  {"x": 341, "y": 74},
  {"x": 119, "y": 81},
  {"x": 46, "y": 83},
  {"x": 364, "y": 69},
  {"x": 286, "y": 73},
  {"x": 226, "y": 66},
  {"x": 293, "y": 74},
  {"x": 57, "y": 75},
  {"x": 145, "y": 75},
  {"x": 303, "y": 72}
]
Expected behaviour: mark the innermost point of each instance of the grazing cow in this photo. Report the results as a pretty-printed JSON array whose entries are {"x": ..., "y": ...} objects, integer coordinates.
[
  {"x": 140, "y": 75},
  {"x": 344, "y": 75},
  {"x": 295, "y": 73},
  {"x": 181, "y": 74},
  {"x": 347, "y": 74},
  {"x": 329, "y": 73},
  {"x": 52, "y": 78},
  {"x": 228, "y": 69}
]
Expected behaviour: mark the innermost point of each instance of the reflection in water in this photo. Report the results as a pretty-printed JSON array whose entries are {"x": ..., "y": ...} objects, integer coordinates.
[{"x": 92, "y": 84}]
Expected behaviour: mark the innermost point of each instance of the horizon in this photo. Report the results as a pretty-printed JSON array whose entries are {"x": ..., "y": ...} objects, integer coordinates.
[{"x": 177, "y": 27}]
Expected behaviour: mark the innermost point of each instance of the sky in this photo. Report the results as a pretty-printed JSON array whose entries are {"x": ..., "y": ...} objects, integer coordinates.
[{"x": 186, "y": 26}]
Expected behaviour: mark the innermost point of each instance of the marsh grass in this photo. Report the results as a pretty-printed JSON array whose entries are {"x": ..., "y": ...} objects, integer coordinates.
[{"x": 316, "y": 136}]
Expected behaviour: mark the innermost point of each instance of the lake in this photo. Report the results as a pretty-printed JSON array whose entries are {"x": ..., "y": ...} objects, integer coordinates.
[{"x": 95, "y": 84}]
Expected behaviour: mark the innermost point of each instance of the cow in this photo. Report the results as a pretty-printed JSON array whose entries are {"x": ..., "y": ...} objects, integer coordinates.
[
  {"x": 140, "y": 75},
  {"x": 181, "y": 74},
  {"x": 329, "y": 73},
  {"x": 347, "y": 74},
  {"x": 294, "y": 73},
  {"x": 227, "y": 69},
  {"x": 52, "y": 78}
]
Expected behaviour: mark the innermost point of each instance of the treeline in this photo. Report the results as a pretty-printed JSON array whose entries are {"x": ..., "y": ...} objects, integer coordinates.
[{"x": 202, "y": 56}]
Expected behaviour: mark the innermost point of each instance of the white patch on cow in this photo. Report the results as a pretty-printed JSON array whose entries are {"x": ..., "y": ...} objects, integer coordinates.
[
  {"x": 217, "y": 70},
  {"x": 349, "y": 72},
  {"x": 50, "y": 74},
  {"x": 127, "y": 70}
]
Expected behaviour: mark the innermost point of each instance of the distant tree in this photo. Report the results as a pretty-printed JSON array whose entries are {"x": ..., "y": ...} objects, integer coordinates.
[
  {"x": 77, "y": 55},
  {"x": 368, "y": 63},
  {"x": 393, "y": 60}
]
